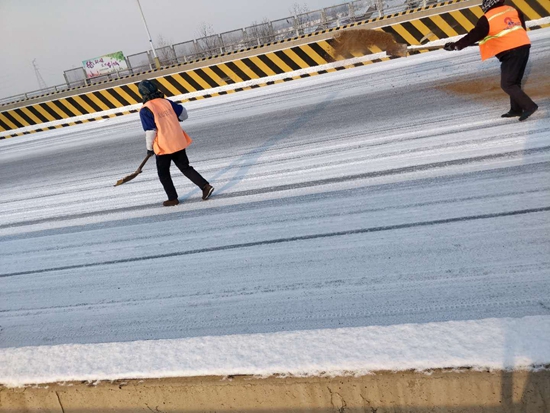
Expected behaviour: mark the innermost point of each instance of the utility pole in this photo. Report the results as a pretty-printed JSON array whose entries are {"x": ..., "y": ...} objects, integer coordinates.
[
  {"x": 41, "y": 83},
  {"x": 157, "y": 61}
]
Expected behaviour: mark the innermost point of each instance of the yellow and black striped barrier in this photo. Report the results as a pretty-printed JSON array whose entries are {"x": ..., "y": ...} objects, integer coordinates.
[
  {"x": 458, "y": 22},
  {"x": 287, "y": 60}
]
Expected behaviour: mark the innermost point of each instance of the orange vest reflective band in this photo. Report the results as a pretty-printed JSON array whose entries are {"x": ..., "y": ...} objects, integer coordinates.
[
  {"x": 505, "y": 32},
  {"x": 170, "y": 137}
]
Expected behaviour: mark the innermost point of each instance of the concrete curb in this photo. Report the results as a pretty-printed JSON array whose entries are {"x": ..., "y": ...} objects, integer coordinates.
[{"x": 412, "y": 392}]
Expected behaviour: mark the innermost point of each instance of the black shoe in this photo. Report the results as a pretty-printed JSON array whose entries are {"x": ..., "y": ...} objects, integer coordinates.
[
  {"x": 511, "y": 114},
  {"x": 172, "y": 202},
  {"x": 527, "y": 113},
  {"x": 207, "y": 191}
]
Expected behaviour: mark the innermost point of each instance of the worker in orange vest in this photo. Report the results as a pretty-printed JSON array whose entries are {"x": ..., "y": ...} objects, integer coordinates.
[
  {"x": 501, "y": 32},
  {"x": 166, "y": 139}
]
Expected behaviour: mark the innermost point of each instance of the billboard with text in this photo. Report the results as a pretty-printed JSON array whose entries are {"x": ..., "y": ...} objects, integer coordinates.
[{"x": 104, "y": 65}]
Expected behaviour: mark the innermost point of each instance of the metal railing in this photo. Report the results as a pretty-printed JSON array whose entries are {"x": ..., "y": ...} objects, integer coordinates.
[{"x": 248, "y": 37}]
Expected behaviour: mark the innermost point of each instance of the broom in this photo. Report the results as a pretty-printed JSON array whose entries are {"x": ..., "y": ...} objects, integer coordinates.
[{"x": 136, "y": 173}]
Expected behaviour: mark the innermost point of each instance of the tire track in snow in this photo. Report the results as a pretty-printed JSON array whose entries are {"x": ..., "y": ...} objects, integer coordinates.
[
  {"x": 306, "y": 184},
  {"x": 411, "y": 283},
  {"x": 288, "y": 239}
]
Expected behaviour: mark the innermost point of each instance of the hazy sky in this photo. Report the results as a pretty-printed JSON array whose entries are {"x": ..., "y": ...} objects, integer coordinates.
[{"x": 60, "y": 34}]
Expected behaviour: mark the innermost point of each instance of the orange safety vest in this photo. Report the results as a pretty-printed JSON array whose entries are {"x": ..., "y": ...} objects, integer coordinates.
[
  {"x": 170, "y": 137},
  {"x": 505, "y": 32}
]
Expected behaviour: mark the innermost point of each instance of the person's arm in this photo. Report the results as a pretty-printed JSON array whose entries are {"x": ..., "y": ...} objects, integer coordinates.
[
  {"x": 181, "y": 112},
  {"x": 149, "y": 126},
  {"x": 478, "y": 33}
]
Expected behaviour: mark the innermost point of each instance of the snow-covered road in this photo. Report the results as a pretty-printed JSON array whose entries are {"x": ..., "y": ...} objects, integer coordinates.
[{"x": 387, "y": 194}]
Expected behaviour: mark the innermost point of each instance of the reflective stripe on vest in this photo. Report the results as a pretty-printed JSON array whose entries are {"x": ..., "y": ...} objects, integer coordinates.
[
  {"x": 505, "y": 32},
  {"x": 170, "y": 137}
]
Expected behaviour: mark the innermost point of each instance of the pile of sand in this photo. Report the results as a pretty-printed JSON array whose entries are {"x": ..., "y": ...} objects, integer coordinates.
[{"x": 360, "y": 41}]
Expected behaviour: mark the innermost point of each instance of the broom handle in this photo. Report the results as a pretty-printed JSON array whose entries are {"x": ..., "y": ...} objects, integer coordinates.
[
  {"x": 420, "y": 47},
  {"x": 143, "y": 163}
]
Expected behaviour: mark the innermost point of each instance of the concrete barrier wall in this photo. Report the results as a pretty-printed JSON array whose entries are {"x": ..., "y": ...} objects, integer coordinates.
[
  {"x": 413, "y": 27},
  {"x": 457, "y": 22},
  {"x": 404, "y": 392}
]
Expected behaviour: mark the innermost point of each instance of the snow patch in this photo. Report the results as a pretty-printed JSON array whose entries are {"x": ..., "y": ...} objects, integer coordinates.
[{"x": 483, "y": 344}]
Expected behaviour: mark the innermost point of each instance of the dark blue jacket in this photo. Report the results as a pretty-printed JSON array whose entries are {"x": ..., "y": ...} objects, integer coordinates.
[{"x": 148, "y": 120}]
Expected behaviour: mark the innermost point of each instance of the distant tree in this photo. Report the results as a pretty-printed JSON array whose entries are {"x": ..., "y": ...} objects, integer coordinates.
[
  {"x": 206, "y": 30},
  {"x": 301, "y": 16},
  {"x": 296, "y": 9},
  {"x": 165, "y": 51},
  {"x": 260, "y": 33},
  {"x": 162, "y": 41},
  {"x": 208, "y": 43}
]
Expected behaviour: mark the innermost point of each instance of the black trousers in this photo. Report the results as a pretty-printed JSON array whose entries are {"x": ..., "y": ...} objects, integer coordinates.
[
  {"x": 182, "y": 162},
  {"x": 512, "y": 69}
]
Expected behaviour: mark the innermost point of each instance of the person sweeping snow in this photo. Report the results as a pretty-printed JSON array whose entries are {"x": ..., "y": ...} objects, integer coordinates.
[
  {"x": 166, "y": 139},
  {"x": 501, "y": 32}
]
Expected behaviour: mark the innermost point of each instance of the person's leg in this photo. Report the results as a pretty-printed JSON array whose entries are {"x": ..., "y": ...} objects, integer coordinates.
[
  {"x": 512, "y": 71},
  {"x": 182, "y": 162},
  {"x": 163, "y": 170}
]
